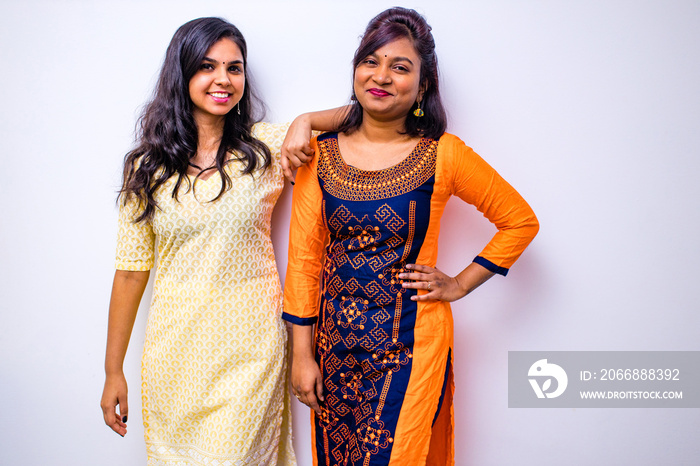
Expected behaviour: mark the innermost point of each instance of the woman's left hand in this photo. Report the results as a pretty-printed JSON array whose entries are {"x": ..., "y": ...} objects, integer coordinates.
[
  {"x": 296, "y": 150},
  {"x": 438, "y": 285}
]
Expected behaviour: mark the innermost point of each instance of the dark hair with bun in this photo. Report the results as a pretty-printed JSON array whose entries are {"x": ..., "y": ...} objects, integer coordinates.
[{"x": 388, "y": 26}]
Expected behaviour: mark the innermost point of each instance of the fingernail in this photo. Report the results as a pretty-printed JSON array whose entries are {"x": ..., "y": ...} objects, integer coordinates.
[
  {"x": 292, "y": 183},
  {"x": 124, "y": 419}
]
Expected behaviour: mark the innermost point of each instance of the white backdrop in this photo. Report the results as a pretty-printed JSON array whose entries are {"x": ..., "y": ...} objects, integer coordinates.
[{"x": 591, "y": 109}]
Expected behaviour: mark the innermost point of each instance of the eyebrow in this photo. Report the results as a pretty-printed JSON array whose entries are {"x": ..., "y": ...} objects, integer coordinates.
[
  {"x": 232, "y": 62},
  {"x": 395, "y": 59},
  {"x": 403, "y": 59}
]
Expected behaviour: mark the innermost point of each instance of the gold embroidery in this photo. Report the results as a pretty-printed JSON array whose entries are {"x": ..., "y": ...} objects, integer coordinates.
[
  {"x": 397, "y": 318},
  {"x": 411, "y": 229},
  {"x": 352, "y": 184}
]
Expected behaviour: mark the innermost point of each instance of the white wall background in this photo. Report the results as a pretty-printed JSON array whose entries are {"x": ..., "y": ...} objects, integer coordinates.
[{"x": 591, "y": 109}]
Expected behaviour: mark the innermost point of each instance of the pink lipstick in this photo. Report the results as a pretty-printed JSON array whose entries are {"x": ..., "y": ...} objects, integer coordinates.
[
  {"x": 220, "y": 97},
  {"x": 378, "y": 92}
]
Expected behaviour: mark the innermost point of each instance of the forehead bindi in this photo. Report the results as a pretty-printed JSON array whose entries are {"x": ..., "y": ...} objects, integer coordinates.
[
  {"x": 224, "y": 51},
  {"x": 399, "y": 50}
]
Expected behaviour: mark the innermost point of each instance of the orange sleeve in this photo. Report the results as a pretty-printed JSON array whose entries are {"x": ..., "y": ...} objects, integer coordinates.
[
  {"x": 476, "y": 182},
  {"x": 307, "y": 238}
]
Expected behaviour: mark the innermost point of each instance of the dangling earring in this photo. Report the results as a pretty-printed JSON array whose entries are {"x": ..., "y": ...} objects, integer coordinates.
[
  {"x": 418, "y": 111},
  {"x": 238, "y": 107}
]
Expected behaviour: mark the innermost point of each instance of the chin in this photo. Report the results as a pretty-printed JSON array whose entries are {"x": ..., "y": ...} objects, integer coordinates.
[
  {"x": 221, "y": 112},
  {"x": 385, "y": 115}
]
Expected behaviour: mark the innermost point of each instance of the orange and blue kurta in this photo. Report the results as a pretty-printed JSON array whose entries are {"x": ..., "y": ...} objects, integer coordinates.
[{"x": 385, "y": 359}]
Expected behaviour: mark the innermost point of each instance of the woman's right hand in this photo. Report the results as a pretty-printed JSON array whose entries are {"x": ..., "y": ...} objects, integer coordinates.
[
  {"x": 307, "y": 385},
  {"x": 115, "y": 393},
  {"x": 127, "y": 290},
  {"x": 296, "y": 150}
]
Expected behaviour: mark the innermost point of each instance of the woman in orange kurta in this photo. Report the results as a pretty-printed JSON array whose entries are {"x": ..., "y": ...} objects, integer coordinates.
[{"x": 363, "y": 248}]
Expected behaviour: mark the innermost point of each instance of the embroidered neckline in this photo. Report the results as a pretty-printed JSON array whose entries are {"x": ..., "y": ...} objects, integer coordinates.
[{"x": 350, "y": 183}]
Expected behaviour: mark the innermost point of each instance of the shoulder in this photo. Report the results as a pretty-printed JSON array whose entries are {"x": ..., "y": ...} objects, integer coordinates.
[
  {"x": 269, "y": 132},
  {"x": 326, "y": 136},
  {"x": 452, "y": 150},
  {"x": 451, "y": 142},
  {"x": 455, "y": 161},
  {"x": 272, "y": 135},
  {"x": 326, "y": 141},
  {"x": 319, "y": 145}
]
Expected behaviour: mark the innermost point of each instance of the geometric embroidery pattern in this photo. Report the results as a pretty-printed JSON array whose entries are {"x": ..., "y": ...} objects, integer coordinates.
[
  {"x": 363, "y": 345},
  {"x": 214, "y": 362}
]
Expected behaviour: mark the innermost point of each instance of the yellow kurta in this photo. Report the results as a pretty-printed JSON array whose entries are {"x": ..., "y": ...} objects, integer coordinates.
[{"x": 213, "y": 369}]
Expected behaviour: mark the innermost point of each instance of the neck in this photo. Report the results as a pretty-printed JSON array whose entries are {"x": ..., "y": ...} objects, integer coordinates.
[
  {"x": 210, "y": 129},
  {"x": 382, "y": 130}
]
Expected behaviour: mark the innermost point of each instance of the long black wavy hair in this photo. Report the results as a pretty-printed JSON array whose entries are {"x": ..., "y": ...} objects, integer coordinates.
[
  {"x": 167, "y": 133},
  {"x": 388, "y": 26}
]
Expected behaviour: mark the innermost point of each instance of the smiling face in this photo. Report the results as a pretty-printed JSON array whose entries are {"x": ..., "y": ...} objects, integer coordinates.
[
  {"x": 387, "y": 82},
  {"x": 219, "y": 83}
]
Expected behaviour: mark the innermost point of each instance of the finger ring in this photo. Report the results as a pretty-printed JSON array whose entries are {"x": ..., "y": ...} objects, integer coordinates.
[{"x": 430, "y": 285}]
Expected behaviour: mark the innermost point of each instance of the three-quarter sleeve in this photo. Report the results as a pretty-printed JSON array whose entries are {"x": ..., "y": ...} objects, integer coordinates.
[
  {"x": 307, "y": 239},
  {"x": 476, "y": 182},
  {"x": 135, "y": 241}
]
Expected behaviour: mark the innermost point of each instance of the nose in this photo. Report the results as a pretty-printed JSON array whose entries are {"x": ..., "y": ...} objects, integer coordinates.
[
  {"x": 382, "y": 74},
  {"x": 221, "y": 77}
]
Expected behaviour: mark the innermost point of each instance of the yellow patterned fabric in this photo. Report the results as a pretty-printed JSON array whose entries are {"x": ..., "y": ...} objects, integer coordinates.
[{"x": 214, "y": 364}]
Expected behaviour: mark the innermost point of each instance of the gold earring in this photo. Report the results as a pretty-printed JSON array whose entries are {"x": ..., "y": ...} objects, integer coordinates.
[{"x": 418, "y": 111}]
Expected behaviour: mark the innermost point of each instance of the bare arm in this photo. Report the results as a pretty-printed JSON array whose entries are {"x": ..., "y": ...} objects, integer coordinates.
[
  {"x": 127, "y": 290},
  {"x": 306, "y": 375},
  {"x": 295, "y": 148}
]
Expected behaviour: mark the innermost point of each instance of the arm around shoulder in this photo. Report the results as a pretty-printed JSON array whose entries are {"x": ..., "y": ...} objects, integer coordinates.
[{"x": 296, "y": 150}]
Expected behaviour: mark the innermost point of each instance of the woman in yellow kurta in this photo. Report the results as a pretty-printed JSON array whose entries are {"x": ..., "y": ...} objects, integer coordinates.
[
  {"x": 201, "y": 186},
  {"x": 363, "y": 248}
]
